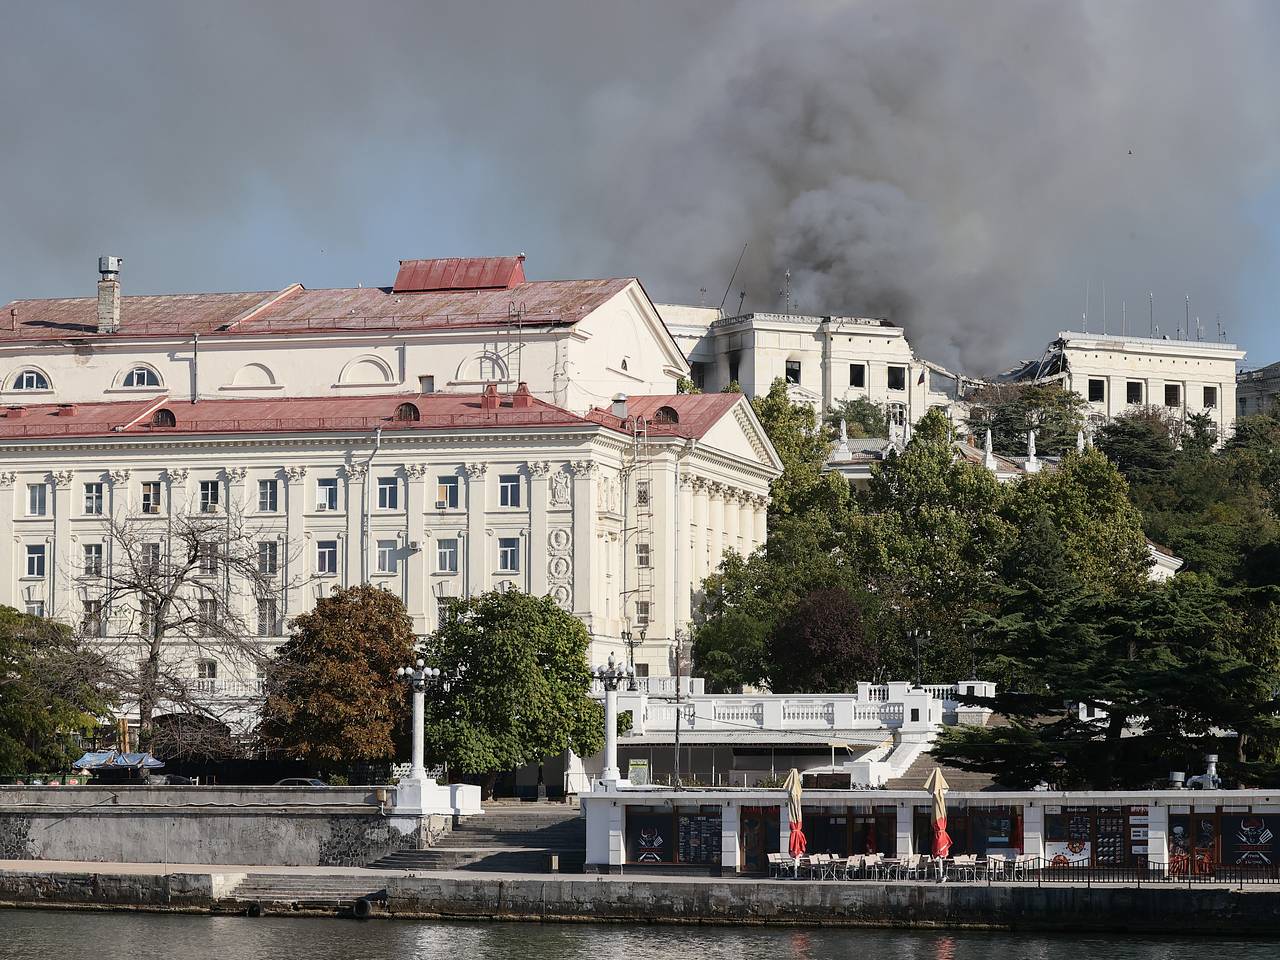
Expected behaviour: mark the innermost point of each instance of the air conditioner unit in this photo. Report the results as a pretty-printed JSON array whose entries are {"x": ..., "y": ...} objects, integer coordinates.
[
  {"x": 322, "y": 506},
  {"x": 151, "y": 508},
  {"x": 414, "y": 546},
  {"x": 209, "y": 508}
]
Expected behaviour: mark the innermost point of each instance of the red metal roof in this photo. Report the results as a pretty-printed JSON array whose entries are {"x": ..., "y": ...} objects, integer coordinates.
[
  {"x": 696, "y": 413},
  {"x": 298, "y": 310},
  {"x": 459, "y": 273}
]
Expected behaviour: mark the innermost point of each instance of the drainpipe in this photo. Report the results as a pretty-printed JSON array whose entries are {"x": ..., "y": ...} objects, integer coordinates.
[
  {"x": 195, "y": 370},
  {"x": 364, "y": 518}
]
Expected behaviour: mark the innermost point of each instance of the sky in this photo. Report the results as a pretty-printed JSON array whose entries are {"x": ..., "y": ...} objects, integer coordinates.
[{"x": 976, "y": 172}]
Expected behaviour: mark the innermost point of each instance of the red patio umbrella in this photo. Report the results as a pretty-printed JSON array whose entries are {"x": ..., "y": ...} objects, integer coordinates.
[
  {"x": 796, "y": 843},
  {"x": 937, "y": 785}
]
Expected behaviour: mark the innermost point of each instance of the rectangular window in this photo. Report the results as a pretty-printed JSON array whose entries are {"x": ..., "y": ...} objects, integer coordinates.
[
  {"x": 93, "y": 559},
  {"x": 37, "y": 499},
  {"x": 509, "y": 489},
  {"x": 642, "y": 613},
  {"x": 91, "y": 620},
  {"x": 509, "y": 554},
  {"x": 268, "y": 618},
  {"x": 1172, "y": 395},
  {"x": 35, "y": 560},
  {"x": 148, "y": 610},
  {"x": 207, "y": 557},
  {"x": 93, "y": 499},
  {"x": 644, "y": 493},
  {"x": 1210, "y": 398},
  {"x": 151, "y": 496},
  {"x": 268, "y": 557},
  {"x": 268, "y": 496},
  {"x": 386, "y": 556},
  {"x": 327, "y": 493},
  {"x": 447, "y": 555},
  {"x": 206, "y": 676},
  {"x": 35, "y": 608},
  {"x": 897, "y": 378},
  {"x": 793, "y": 371},
  {"x": 388, "y": 493},
  {"x": 208, "y": 614},
  {"x": 735, "y": 363},
  {"x": 1133, "y": 392},
  {"x": 1097, "y": 390},
  {"x": 327, "y": 557},
  {"x": 149, "y": 558},
  {"x": 426, "y": 384},
  {"x": 447, "y": 493},
  {"x": 642, "y": 555},
  {"x": 857, "y": 374},
  {"x": 210, "y": 495}
]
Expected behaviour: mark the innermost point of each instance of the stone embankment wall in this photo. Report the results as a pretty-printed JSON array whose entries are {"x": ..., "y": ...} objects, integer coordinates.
[{"x": 291, "y": 826}]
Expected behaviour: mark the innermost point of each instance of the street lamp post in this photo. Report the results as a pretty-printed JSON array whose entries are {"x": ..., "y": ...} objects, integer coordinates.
[
  {"x": 920, "y": 639},
  {"x": 418, "y": 676},
  {"x": 610, "y": 676}
]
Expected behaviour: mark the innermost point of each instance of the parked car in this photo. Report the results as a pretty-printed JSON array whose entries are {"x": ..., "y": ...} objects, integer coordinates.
[{"x": 300, "y": 782}]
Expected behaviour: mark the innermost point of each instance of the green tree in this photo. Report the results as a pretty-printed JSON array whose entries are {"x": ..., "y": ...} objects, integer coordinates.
[
  {"x": 518, "y": 685},
  {"x": 686, "y": 385},
  {"x": 1140, "y": 444},
  {"x": 803, "y": 445},
  {"x": 48, "y": 693},
  {"x": 1012, "y": 410},
  {"x": 862, "y": 418},
  {"x": 332, "y": 693},
  {"x": 821, "y": 646}
]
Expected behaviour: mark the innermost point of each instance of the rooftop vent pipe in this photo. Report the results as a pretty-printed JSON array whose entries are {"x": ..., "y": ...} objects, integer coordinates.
[
  {"x": 619, "y": 406},
  {"x": 109, "y": 294}
]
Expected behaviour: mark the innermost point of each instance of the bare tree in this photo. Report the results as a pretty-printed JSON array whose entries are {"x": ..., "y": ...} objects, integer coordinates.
[{"x": 175, "y": 603}]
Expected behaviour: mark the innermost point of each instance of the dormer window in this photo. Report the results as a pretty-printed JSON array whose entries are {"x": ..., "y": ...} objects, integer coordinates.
[
  {"x": 407, "y": 413},
  {"x": 30, "y": 380},
  {"x": 666, "y": 415},
  {"x": 164, "y": 418},
  {"x": 141, "y": 377}
]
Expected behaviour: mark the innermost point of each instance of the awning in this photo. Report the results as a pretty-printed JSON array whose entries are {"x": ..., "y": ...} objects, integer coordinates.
[{"x": 115, "y": 760}]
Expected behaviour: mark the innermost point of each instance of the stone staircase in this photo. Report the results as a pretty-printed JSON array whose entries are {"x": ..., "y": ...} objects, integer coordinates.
[
  {"x": 957, "y": 779},
  {"x": 516, "y": 838},
  {"x": 303, "y": 893}
]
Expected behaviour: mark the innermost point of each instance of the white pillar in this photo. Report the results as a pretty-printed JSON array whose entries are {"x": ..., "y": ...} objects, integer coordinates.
[
  {"x": 8, "y": 581},
  {"x": 419, "y": 767},
  {"x": 715, "y": 526},
  {"x": 1033, "y": 830},
  {"x": 746, "y": 522},
  {"x": 59, "y": 570},
  {"x": 538, "y": 473},
  {"x": 585, "y": 556},
  {"x": 297, "y": 563},
  {"x": 355, "y": 561},
  {"x": 905, "y": 818},
  {"x": 700, "y": 498},
  {"x": 730, "y": 848},
  {"x": 762, "y": 519},
  {"x": 416, "y": 569},
  {"x": 477, "y": 542},
  {"x": 610, "y": 772},
  {"x": 685, "y": 536}
]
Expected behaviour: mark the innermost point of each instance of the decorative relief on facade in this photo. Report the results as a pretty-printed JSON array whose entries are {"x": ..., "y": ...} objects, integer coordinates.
[
  {"x": 62, "y": 478},
  {"x": 475, "y": 471},
  {"x": 561, "y": 594},
  {"x": 416, "y": 471},
  {"x": 237, "y": 474},
  {"x": 559, "y": 539},
  {"x": 560, "y": 485},
  {"x": 539, "y": 468},
  {"x": 609, "y": 495},
  {"x": 177, "y": 474},
  {"x": 355, "y": 471},
  {"x": 560, "y": 566},
  {"x": 584, "y": 468},
  {"x": 295, "y": 473},
  {"x": 119, "y": 476},
  {"x": 7, "y": 477}
]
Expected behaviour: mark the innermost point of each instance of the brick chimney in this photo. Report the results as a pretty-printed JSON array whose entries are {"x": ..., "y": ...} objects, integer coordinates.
[
  {"x": 109, "y": 294},
  {"x": 522, "y": 399},
  {"x": 489, "y": 399}
]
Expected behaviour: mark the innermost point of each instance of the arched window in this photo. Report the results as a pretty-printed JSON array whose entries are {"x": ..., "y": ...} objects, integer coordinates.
[
  {"x": 407, "y": 413},
  {"x": 897, "y": 414},
  {"x": 141, "y": 377},
  {"x": 492, "y": 368},
  {"x": 624, "y": 364},
  {"x": 164, "y": 418},
  {"x": 30, "y": 380},
  {"x": 666, "y": 415}
]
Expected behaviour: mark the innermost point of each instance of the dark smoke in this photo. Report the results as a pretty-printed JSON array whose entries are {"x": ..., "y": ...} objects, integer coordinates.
[{"x": 964, "y": 168}]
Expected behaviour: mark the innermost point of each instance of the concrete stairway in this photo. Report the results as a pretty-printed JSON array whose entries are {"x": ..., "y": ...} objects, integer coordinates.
[
  {"x": 519, "y": 838},
  {"x": 957, "y": 779},
  {"x": 313, "y": 893}
]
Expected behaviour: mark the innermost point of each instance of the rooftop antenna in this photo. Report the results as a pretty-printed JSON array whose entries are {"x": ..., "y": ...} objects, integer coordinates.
[
  {"x": 1151, "y": 312},
  {"x": 702, "y": 296},
  {"x": 786, "y": 289},
  {"x": 1199, "y": 329},
  {"x": 1084, "y": 317},
  {"x": 1124, "y": 319},
  {"x": 729, "y": 285},
  {"x": 1104, "y": 309},
  {"x": 1187, "y": 319},
  {"x": 1221, "y": 333},
  {"x": 742, "y": 295}
]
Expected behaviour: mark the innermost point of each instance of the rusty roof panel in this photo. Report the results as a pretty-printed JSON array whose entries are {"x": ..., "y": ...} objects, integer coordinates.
[{"x": 459, "y": 273}]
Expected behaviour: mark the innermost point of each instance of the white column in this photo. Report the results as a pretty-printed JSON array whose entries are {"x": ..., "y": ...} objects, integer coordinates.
[
  {"x": 762, "y": 519},
  {"x": 906, "y": 815},
  {"x": 610, "y": 772},
  {"x": 729, "y": 510},
  {"x": 296, "y": 562},
  {"x": 685, "y": 536},
  {"x": 60, "y": 571},
  {"x": 701, "y": 494},
  {"x": 355, "y": 560},
  {"x": 415, "y": 572},
  {"x": 1033, "y": 830},
  {"x": 477, "y": 543},
  {"x": 730, "y": 848},
  {"x": 584, "y": 553},
  {"x": 715, "y": 525},
  {"x": 418, "y": 769},
  {"x": 537, "y": 554},
  {"x": 8, "y": 580},
  {"x": 1158, "y": 836}
]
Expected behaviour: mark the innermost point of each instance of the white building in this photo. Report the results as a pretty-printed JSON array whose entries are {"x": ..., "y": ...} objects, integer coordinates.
[
  {"x": 1258, "y": 391},
  {"x": 379, "y": 435}
]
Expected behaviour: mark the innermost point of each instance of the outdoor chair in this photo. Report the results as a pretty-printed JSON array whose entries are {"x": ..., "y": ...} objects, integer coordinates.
[
  {"x": 996, "y": 867},
  {"x": 873, "y": 865},
  {"x": 964, "y": 867},
  {"x": 853, "y": 867},
  {"x": 775, "y": 865},
  {"x": 1023, "y": 864}
]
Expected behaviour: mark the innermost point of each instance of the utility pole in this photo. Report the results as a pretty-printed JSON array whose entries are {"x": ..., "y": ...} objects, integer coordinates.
[{"x": 679, "y": 659}]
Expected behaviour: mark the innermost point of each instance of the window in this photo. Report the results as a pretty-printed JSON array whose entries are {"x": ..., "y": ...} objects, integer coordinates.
[
  {"x": 92, "y": 560},
  {"x": 151, "y": 496},
  {"x": 210, "y": 494},
  {"x": 327, "y": 493},
  {"x": 492, "y": 368},
  {"x": 426, "y": 384},
  {"x": 509, "y": 489},
  {"x": 268, "y": 496},
  {"x": 735, "y": 363},
  {"x": 327, "y": 557},
  {"x": 30, "y": 380},
  {"x": 407, "y": 413},
  {"x": 148, "y": 611},
  {"x": 857, "y": 374},
  {"x": 642, "y": 613},
  {"x": 35, "y": 608},
  {"x": 207, "y": 558},
  {"x": 642, "y": 554},
  {"x": 793, "y": 371},
  {"x": 386, "y": 556},
  {"x": 447, "y": 493},
  {"x": 164, "y": 418},
  {"x": 206, "y": 676},
  {"x": 149, "y": 558},
  {"x": 208, "y": 614},
  {"x": 268, "y": 618},
  {"x": 37, "y": 499},
  {"x": 91, "y": 619},
  {"x": 665, "y": 414},
  {"x": 388, "y": 493},
  {"x": 268, "y": 558},
  {"x": 643, "y": 493},
  {"x": 444, "y": 606},
  {"x": 1097, "y": 390},
  {"x": 35, "y": 560},
  {"x": 1172, "y": 395},
  {"x": 93, "y": 498},
  {"x": 1133, "y": 392},
  {"x": 141, "y": 377},
  {"x": 897, "y": 413},
  {"x": 447, "y": 555},
  {"x": 1210, "y": 398},
  {"x": 509, "y": 554},
  {"x": 897, "y": 378}
]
